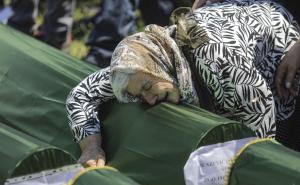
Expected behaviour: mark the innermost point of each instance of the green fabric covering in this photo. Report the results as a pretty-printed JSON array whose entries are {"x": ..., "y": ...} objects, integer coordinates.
[
  {"x": 22, "y": 154},
  {"x": 103, "y": 177},
  {"x": 264, "y": 163},
  {"x": 35, "y": 80},
  {"x": 152, "y": 144}
]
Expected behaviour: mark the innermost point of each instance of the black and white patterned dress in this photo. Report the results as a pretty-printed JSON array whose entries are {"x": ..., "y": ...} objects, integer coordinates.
[{"x": 247, "y": 42}]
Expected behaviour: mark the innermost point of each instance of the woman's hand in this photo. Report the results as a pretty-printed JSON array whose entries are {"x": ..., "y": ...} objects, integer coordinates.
[
  {"x": 92, "y": 153},
  {"x": 285, "y": 79},
  {"x": 200, "y": 3}
]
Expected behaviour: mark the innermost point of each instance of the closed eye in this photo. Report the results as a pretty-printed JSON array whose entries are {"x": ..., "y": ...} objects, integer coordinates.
[{"x": 147, "y": 86}]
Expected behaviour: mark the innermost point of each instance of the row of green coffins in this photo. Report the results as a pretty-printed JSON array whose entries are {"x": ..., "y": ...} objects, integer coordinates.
[{"x": 147, "y": 145}]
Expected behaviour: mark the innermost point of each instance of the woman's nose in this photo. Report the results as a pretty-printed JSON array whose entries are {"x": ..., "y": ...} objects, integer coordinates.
[{"x": 150, "y": 98}]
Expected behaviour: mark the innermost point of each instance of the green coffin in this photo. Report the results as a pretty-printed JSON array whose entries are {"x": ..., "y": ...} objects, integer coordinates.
[
  {"x": 34, "y": 82},
  {"x": 152, "y": 144},
  {"x": 266, "y": 162},
  {"x": 101, "y": 177},
  {"x": 22, "y": 154}
]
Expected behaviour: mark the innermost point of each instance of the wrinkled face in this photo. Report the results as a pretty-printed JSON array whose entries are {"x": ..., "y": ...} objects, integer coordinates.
[{"x": 152, "y": 89}]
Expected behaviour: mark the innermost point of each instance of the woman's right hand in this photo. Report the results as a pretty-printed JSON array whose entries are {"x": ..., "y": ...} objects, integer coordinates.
[
  {"x": 92, "y": 154},
  {"x": 285, "y": 80}
]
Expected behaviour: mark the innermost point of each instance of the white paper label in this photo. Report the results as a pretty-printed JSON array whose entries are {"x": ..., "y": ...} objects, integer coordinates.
[
  {"x": 49, "y": 177},
  {"x": 208, "y": 164}
]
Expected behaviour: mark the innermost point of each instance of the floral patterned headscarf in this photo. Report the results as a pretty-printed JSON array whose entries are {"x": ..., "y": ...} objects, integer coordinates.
[{"x": 155, "y": 52}]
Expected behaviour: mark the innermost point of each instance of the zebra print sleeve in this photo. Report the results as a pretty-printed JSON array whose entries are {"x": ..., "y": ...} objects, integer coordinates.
[
  {"x": 239, "y": 62},
  {"x": 83, "y": 101},
  {"x": 240, "y": 94}
]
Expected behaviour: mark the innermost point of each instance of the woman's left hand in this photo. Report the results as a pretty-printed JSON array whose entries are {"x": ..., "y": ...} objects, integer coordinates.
[
  {"x": 285, "y": 79},
  {"x": 92, "y": 154}
]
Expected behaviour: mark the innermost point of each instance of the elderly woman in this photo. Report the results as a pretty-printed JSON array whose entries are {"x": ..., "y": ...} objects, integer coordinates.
[{"x": 228, "y": 50}]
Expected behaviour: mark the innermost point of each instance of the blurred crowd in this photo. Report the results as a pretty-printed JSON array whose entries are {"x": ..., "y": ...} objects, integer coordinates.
[{"x": 114, "y": 20}]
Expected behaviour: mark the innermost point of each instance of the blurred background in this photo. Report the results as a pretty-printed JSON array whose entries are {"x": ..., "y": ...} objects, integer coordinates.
[{"x": 90, "y": 22}]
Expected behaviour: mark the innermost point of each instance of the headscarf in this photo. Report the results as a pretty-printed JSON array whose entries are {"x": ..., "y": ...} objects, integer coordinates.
[{"x": 155, "y": 52}]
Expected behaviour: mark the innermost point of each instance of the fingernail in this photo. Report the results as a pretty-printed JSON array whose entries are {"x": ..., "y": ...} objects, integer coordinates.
[{"x": 288, "y": 85}]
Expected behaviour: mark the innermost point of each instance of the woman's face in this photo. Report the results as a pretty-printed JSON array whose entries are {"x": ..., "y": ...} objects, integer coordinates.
[{"x": 152, "y": 89}]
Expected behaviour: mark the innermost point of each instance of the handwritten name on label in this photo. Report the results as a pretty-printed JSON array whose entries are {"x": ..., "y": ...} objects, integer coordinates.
[{"x": 208, "y": 164}]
